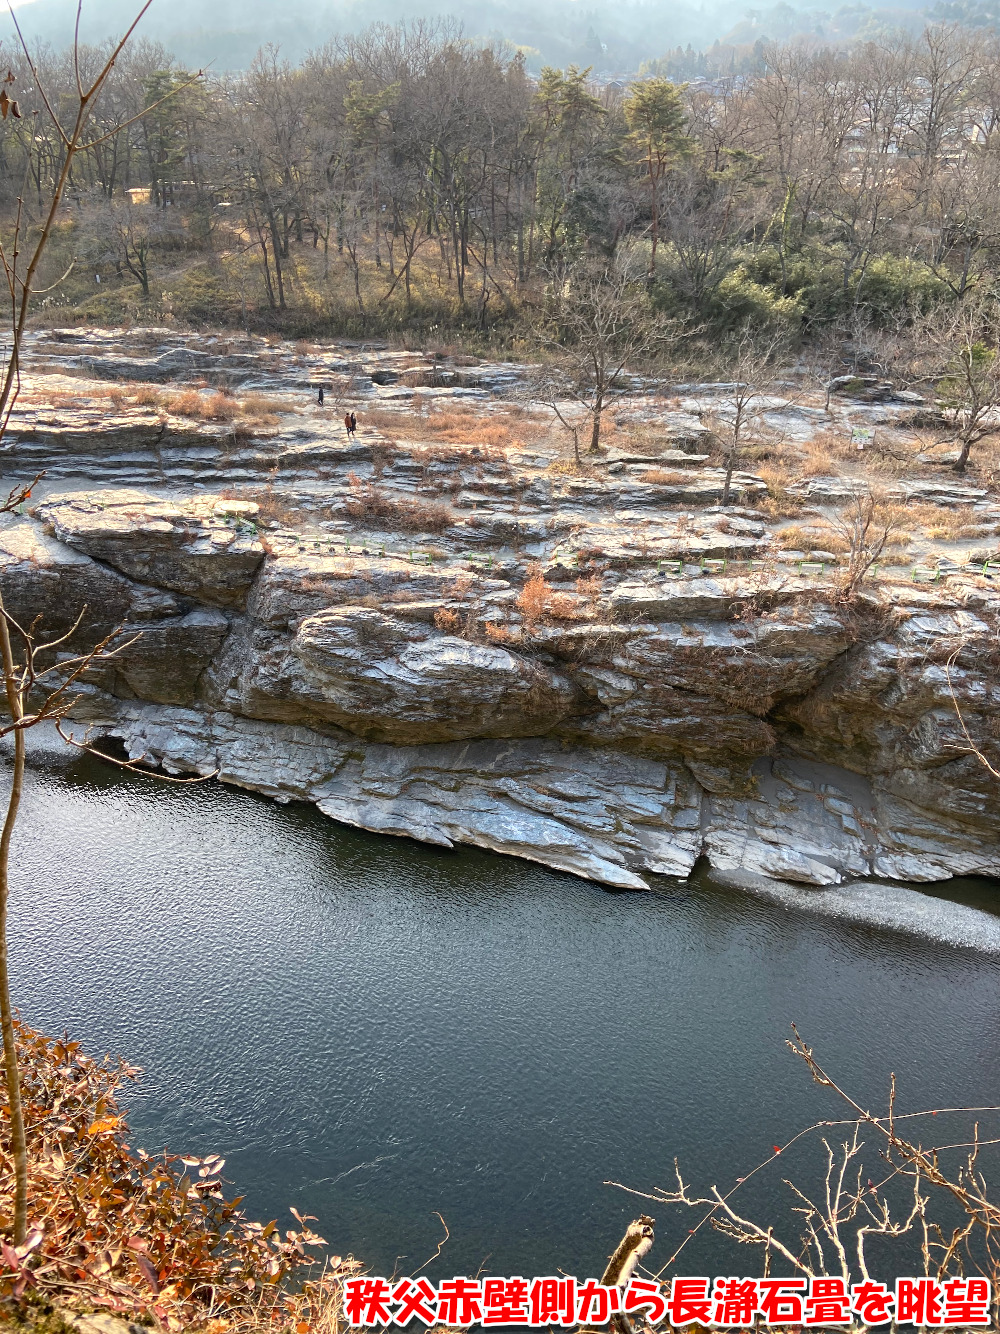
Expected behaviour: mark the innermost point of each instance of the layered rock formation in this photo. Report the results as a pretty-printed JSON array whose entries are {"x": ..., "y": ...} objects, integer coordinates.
[
  {"x": 625, "y": 724},
  {"x": 475, "y": 643}
]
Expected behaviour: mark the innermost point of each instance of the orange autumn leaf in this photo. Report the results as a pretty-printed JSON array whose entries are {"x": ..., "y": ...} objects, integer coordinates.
[{"x": 102, "y": 1126}]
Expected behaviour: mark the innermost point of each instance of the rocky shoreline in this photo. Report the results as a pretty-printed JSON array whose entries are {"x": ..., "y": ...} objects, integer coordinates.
[{"x": 555, "y": 670}]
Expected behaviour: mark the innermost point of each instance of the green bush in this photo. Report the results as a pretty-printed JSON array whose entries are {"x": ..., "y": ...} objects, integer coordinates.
[
  {"x": 739, "y": 299},
  {"x": 891, "y": 284}
]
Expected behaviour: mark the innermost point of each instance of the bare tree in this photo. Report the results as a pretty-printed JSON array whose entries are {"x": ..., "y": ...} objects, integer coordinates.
[
  {"x": 848, "y": 1212},
  {"x": 960, "y": 352},
  {"x": 598, "y": 325},
  {"x": 866, "y": 524},
  {"x": 751, "y": 357},
  {"x": 127, "y": 234}
]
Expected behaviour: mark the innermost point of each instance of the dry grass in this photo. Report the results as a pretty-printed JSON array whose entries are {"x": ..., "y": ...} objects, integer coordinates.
[
  {"x": 438, "y": 453},
  {"x": 467, "y": 427},
  {"x": 666, "y": 477},
  {"x": 822, "y": 535},
  {"x": 771, "y": 449},
  {"x": 270, "y": 507},
  {"x": 940, "y": 523},
  {"x": 369, "y": 503},
  {"x": 779, "y": 502},
  {"x": 201, "y": 407},
  {"x": 193, "y": 403},
  {"x": 984, "y": 462},
  {"x": 264, "y": 408},
  {"x": 819, "y": 453},
  {"x": 251, "y": 412},
  {"x": 184, "y": 403},
  {"x": 221, "y": 407}
]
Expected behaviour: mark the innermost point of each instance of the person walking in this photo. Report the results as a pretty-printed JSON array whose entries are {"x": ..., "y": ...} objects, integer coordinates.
[
  {"x": 354, "y": 424},
  {"x": 321, "y": 395},
  {"x": 347, "y": 424}
]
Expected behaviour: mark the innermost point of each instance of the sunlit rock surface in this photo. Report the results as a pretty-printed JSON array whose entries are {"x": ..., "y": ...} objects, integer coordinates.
[{"x": 673, "y": 692}]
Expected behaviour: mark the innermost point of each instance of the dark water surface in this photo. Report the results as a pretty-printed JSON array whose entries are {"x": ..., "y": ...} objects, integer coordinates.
[{"x": 372, "y": 1030}]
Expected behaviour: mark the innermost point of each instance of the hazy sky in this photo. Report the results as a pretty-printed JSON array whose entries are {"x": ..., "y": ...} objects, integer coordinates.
[{"x": 614, "y": 36}]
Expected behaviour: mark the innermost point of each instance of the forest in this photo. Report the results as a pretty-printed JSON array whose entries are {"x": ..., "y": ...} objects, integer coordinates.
[{"x": 407, "y": 180}]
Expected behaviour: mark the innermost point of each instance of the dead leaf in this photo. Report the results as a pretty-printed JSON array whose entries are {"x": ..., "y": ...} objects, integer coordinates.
[
  {"x": 106, "y": 1123},
  {"x": 148, "y": 1273}
]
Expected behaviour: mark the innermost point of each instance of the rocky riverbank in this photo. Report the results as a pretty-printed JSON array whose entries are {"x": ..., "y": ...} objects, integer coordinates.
[{"x": 467, "y": 642}]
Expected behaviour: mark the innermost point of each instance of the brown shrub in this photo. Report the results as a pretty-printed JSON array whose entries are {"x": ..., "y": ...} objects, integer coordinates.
[
  {"x": 458, "y": 590},
  {"x": 185, "y": 403},
  {"x": 564, "y": 607},
  {"x": 498, "y": 633},
  {"x": 589, "y": 586},
  {"x": 368, "y": 502},
  {"x": 220, "y": 407},
  {"x": 533, "y": 599},
  {"x": 148, "y": 396},
  {"x": 447, "y": 621},
  {"x": 382, "y": 455}
]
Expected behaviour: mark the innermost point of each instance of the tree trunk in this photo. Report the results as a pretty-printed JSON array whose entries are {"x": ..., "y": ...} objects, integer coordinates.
[
  {"x": 19, "y": 1149},
  {"x": 595, "y": 434},
  {"x": 653, "y": 191},
  {"x": 727, "y": 485},
  {"x": 276, "y": 254},
  {"x": 268, "y": 285}
]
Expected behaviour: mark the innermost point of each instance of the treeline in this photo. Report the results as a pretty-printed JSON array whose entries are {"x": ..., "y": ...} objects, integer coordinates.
[{"x": 407, "y": 178}]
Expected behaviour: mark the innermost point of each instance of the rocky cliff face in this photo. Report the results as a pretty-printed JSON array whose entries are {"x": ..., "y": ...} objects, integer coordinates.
[
  {"x": 758, "y": 721},
  {"x": 555, "y": 670}
]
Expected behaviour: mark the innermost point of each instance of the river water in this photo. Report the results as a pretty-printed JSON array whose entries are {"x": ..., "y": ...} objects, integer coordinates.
[{"x": 372, "y": 1031}]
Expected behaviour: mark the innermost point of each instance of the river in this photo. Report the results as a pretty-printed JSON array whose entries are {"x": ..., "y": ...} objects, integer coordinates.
[{"x": 372, "y": 1030}]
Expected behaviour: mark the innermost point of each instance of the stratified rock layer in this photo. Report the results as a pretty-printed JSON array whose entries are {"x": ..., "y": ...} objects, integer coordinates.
[{"x": 758, "y": 721}]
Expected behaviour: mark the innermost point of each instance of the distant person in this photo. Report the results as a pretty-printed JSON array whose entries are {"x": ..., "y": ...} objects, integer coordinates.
[
  {"x": 354, "y": 424},
  {"x": 347, "y": 424},
  {"x": 321, "y": 395}
]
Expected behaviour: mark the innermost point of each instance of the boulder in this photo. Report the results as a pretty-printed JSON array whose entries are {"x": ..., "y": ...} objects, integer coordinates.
[
  {"x": 177, "y": 545},
  {"x": 390, "y": 679}
]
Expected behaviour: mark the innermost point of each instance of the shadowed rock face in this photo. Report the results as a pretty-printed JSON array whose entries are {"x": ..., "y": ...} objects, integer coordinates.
[{"x": 762, "y": 725}]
